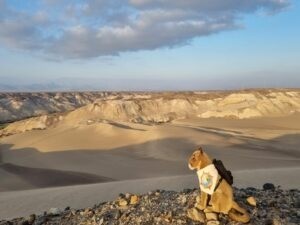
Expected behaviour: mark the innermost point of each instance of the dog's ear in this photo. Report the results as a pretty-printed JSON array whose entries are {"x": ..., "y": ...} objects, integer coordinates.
[{"x": 200, "y": 149}]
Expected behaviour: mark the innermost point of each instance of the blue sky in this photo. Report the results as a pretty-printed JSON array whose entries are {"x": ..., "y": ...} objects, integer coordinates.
[{"x": 149, "y": 45}]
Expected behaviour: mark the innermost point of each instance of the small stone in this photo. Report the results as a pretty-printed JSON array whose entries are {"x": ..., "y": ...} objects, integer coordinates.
[
  {"x": 211, "y": 216},
  {"x": 54, "y": 211},
  {"x": 73, "y": 212},
  {"x": 276, "y": 222},
  {"x": 88, "y": 212},
  {"x": 31, "y": 218},
  {"x": 121, "y": 195},
  {"x": 196, "y": 215},
  {"x": 127, "y": 196},
  {"x": 123, "y": 202},
  {"x": 168, "y": 217},
  {"x": 268, "y": 186},
  {"x": 134, "y": 199},
  {"x": 116, "y": 214},
  {"x": 183, "y": 200},
  {"x": 213, "y": 222},
  {"x": 251, "y": 201},
  {"x": 297, "y": 203},
  {"x": 25, "y": 222},
  {"x": 268, "y": 222}
]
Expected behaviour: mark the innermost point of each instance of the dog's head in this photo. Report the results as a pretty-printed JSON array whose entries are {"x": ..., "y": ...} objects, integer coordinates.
[{"x": 198, "y": 160}]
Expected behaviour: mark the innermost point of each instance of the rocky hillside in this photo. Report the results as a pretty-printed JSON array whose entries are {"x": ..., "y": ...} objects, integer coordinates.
[
  {"x": 164, "y": 107},
  {"x": 159, "y": 109},
  {"x": 16, "y": 106},
  {"x": 270, "y": 206}
]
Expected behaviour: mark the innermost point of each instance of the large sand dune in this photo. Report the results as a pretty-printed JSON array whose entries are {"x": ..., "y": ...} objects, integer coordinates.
[{"x": 131, "y": 157}]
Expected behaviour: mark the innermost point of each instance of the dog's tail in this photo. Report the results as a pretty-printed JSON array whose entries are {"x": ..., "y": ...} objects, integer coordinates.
[{"x": 238, "y": 214}]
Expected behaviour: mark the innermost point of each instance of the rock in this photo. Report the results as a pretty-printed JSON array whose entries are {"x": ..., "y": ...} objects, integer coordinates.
[
  {"x": 25, "y": 222},
  {"x": 166, "y": 208},
  {"x": 211, "y": 216},
  {"x": 127, "y": 196},
  {"x": 134, "y": 199},
  {"x": 251, "y": 201},
  {"x": 213, "y": 222},
  {"x": 88, "y": 212},
  {"x": 116, "y": 214},
  {"x": 268, "y": 222},
  {"x": 196, "y": 215},
  {"x": 101, "y": 221},
  {"x": 5, "y": 223},
  {"x": 54, "y": 211},
  {"x": 123, "y": 202},
  {"x": 31, "y": 218},
  {"x": 121, "y": 195},
  {"x": 276, "y": 222},
  {"x": 183, "y": 200},
  {"x": 297, "y": 203},
  {"x": 268, "y": 186}
]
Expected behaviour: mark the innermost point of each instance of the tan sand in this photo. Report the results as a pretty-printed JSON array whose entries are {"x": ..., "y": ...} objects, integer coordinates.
[{"x": 23, "y": 203}]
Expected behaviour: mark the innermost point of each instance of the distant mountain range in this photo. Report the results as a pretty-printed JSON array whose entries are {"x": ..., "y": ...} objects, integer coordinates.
[{"x": 8, "y": 84}]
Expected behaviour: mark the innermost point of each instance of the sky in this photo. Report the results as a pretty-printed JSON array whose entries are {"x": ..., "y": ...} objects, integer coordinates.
[{"x": 149, "y": 44}]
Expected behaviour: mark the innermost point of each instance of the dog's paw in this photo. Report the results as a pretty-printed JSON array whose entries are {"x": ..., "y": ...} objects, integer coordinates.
[{"x": 199, "y": 206}]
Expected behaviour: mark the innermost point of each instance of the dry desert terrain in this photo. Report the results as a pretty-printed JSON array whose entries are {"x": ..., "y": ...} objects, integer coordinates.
[{"x": 136, "y": 142}]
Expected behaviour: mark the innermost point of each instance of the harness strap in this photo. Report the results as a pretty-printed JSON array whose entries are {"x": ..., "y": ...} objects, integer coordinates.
[{"x": 218, "y": 184}]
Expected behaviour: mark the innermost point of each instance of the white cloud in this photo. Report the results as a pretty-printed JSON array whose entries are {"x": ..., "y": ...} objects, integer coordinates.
[{"x": 100, "y": 27}]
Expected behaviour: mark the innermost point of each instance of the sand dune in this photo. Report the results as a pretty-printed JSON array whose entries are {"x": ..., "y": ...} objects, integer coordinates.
[{"x": 121, "y": 151}]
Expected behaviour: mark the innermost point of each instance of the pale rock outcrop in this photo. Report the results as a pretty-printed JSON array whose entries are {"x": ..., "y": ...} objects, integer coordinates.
[{"x": 156, "y": 107}]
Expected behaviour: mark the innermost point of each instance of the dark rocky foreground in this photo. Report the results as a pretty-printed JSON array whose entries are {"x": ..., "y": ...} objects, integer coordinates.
[{"x": 273, "y": 207}]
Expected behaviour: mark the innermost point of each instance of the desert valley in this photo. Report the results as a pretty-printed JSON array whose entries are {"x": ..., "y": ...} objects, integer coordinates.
[{"x": 79, "y": 149}]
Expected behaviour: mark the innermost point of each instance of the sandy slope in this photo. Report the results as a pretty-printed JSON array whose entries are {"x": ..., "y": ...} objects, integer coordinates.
[
  {"x": 23, "y": 203},
  {"x": 258, "y": 150},
  {"x": 130, "y": 151}
]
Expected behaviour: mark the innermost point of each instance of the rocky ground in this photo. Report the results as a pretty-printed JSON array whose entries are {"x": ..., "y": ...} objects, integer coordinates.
[{"x": 268, "y": 206}]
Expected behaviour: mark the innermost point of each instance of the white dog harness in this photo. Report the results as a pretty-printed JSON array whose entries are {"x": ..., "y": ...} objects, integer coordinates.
[{"x": 208, "y": 177}]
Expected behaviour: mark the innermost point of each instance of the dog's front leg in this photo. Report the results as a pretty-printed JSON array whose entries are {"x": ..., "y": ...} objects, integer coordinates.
[{"x": 203, "y": 201}]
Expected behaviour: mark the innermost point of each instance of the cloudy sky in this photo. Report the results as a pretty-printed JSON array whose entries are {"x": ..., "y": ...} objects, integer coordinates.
[{"x": 149, "y": 44}]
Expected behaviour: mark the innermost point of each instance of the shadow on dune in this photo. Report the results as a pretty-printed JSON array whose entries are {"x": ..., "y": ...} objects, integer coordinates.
[
  {"x": 286, "y": 145},
  {"x": 162, "y": 157},
  {"x": 50, "y": 178},
  {"x": 124, "y": 126}
]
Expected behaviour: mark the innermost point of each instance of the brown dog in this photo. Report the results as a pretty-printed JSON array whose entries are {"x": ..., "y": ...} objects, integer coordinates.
[{"x": 221, "y": 200}]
